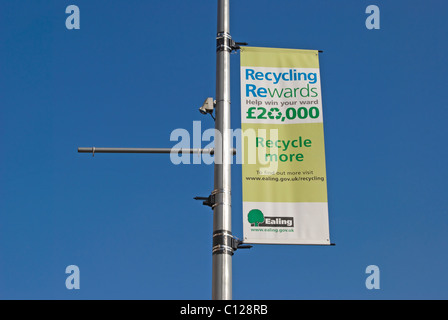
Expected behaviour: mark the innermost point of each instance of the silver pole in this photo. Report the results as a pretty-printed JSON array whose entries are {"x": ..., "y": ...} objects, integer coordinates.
[{"x": 222, "y": 230}]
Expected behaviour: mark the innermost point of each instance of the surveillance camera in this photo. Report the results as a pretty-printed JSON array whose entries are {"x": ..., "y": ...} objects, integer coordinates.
[
  {"x": 202, "y": 110},
  {"x": 207, "y": 106}
]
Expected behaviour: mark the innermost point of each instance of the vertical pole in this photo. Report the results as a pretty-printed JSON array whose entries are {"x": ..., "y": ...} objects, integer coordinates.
[{"x": 222, "y": 229}]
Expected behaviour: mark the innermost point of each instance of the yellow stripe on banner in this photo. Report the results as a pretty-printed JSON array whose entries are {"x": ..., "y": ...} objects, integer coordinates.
[
  {"x": 284, "y": 163},
  {"x": 278, "y": 58}
]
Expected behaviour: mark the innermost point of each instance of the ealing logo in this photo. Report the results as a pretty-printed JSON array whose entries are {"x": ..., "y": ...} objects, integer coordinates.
[{"x": 256, "y": 218}]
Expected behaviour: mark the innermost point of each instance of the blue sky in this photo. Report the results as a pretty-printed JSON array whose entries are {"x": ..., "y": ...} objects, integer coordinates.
[{"x": 137, "y": 70}]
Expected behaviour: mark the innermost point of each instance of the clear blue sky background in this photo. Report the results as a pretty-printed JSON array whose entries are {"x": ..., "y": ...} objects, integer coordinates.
[{"x": 136, "y": 70}]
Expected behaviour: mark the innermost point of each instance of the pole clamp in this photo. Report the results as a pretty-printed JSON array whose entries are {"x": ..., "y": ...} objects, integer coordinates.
[
  {"x": 215, "y": 193},
  {"x": 225, "y": 243},
  {"x": 211, "y": 199},
  {"x": 224, "y": 42}
]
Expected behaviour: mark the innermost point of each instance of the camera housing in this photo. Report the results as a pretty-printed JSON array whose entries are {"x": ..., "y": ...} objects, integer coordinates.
[{"x": 207, "y": 106}]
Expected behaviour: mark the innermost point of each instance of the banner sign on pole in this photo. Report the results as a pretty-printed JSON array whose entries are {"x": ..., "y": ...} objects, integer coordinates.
[{"x": 283, "y": 160}]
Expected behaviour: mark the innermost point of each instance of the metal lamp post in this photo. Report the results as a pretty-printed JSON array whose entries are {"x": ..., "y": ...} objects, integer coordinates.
[{"x": 224, "y": 243}]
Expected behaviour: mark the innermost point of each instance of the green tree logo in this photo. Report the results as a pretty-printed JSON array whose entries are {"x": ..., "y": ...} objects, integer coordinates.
[{"x": 255, "y": 217}]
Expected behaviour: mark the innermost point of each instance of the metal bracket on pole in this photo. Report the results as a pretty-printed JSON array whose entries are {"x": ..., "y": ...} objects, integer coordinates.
[
  {"x": 238, "y": 244},
  {"x": 208, "y": 201},
  {"x": 225, "y": 42},
  {"x": 237, "y": 45},
  {"x": 225, "y": 242},
  {"x": 211, "y": 200},
  {"x": 216, "y": 192}
]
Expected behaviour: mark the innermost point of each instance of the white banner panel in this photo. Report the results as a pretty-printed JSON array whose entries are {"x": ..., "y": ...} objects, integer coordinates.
[{"x": 284, "y": 174}]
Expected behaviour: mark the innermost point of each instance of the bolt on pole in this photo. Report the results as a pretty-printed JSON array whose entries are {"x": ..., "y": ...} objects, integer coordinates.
[{"x": 222, "y": 230}]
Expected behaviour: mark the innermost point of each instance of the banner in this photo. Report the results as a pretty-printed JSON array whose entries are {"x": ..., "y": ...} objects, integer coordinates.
[{"x": 283, "y": 161}]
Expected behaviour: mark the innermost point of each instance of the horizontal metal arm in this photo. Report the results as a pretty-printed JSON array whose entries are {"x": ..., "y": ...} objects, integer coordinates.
[{"x": 94, "y": 150}]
